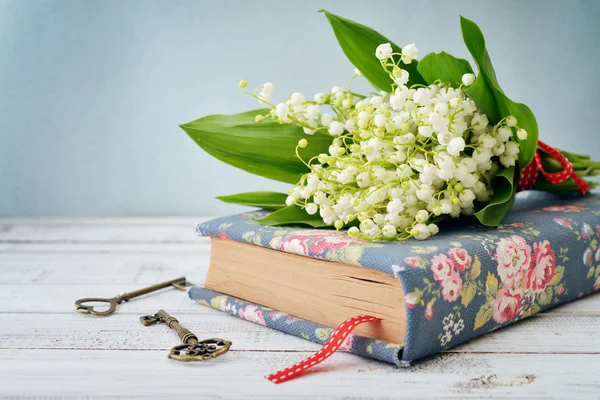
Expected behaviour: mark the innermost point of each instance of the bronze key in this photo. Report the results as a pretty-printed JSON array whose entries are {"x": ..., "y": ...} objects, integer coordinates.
[
  {"x": 192, "y": 349},
  {"x": 179, "y": 283}
]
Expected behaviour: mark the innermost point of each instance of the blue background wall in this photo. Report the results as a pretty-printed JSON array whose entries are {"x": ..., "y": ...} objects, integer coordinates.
[{"x": 92, "y": 92}]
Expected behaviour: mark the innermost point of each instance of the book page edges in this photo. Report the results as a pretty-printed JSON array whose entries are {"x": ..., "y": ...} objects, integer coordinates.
[{"x": 320, "y": 291}]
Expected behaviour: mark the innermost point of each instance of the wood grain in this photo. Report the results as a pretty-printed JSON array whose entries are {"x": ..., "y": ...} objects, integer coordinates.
[{"x": 47, "y": 350}]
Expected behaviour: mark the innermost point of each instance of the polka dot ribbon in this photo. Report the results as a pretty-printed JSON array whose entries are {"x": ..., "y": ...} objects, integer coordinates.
[
  {"x": 332, "y": 345},
  {"x": 530, "y": 173}
]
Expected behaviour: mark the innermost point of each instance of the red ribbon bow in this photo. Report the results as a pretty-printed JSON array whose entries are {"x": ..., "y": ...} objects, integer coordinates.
[{"x": 530, "y": 173}]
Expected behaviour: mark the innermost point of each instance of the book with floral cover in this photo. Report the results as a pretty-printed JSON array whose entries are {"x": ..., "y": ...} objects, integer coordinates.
[{"x": 460, "y": 284}]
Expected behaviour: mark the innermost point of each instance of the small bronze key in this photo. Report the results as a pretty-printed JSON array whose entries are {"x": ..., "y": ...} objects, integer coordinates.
[
  {"x": 192, "y": 349},
  {"x": 179, "y": 283}
]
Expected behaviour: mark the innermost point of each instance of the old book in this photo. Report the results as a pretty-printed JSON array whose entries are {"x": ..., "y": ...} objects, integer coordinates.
[{"x": 431, "y": 295}]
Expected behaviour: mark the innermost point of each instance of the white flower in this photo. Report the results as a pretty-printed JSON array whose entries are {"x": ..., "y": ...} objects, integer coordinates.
[
  {"x": 409, "y": 53},
  {"x": 455, "y": 146},
  {"x": 389, "y": 231},
  {"x": 383, "y": 51},
  {"x": 507, "y": 161},
  {"x": 357, "y": 72},
  {"x": 511, "y": 149},
  {"x": 281, "y": 110},
  {"x": 503, "y": 134},
  {"x": 268, "y": 87},
  {"x": 487, "y": 140},
  {"x": 422, "y": 96},
  {"x": 468, "y": 79},
  {"x": 403, "y": 78},
  {"x": 336, "y": 128},
  {"x": 264, "y": 96},
  {"x": 379, "y": 120},
  {"x": 433, "y": 229},
  {"x": 319, "y": 98},
  {"x": 326, "y": 119},
  {"x": 425, "y": 131},
  {"x": 297, "y": 99},
  {"x": 376, "y": 101},
  {"x": 420, "y": 232},
  {"x": 403, "y": 156},
  {"x": 421, "y": 216},
  {"x": 312, "y": 111},
  {"x": 395, "y": 206}
]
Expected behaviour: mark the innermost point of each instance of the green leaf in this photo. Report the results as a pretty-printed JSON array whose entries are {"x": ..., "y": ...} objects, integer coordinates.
[
  {"x": 502, "y": 200},
  {"x": 590, "y": 272},
  {"x": 468, "y": 292},
  {"x": 445, "y": 67},
  {"x": 292, "y": 215},
  {"x": 483, "y": 315},
  {"x": 491, "y": 284},
  {"x": 475, "y": 268},
  {"x": 266, "y": 148},
  {"x": 544, "y": 298},
  {"x": 475, "y": 42},
  {"x": 566, "y": 187},
  {"x": 359, "y": 43},
  {"x": 265, "y": 200},
  {"x": 558, "y": 274}
]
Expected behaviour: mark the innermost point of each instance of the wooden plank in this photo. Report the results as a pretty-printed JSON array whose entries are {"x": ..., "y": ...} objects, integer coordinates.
[
  {"x": 133, "y": 269},
  {"x": 201, "y": 244},
  {"x": 77, "y": 373},
  {"x": 132, "y": 230},
  {"x": 61, "y": 298},
  {"x": 109, "y": 280},
  {"x": 548, "y": 334}
]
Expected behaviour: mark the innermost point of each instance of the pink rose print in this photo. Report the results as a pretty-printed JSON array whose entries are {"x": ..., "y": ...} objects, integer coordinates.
[
  {"x": 597, "y": 283},
  {"x": 429, "y": 311},
  {"x": 223, "y": 235},
  {"x": 513, "y": 255},
  {"x": 410, "y": 300},
  {"x": 315, "y": 243},
  {"x": 295, "y": 244},
  {"x": 560, "y": 290},
  {"x": 587, "y": 231},
  {"x": 451, "y": 287},
  {"x": 568, "y": 208},
  {"x": 587, "y": 256},
  {"x": 252, "y": 313},
  {"x": 412, "y": 262},
  {"x": 460, "y": 258},
  {"x": 441, "y": 266},
  {"x": 323, "y": 242},
  {"x": 507, "y": 304},
  {"x": 542, "y": 271},
  {"x": 347, "y": 343},
  {"x": 562, "y": 222}
]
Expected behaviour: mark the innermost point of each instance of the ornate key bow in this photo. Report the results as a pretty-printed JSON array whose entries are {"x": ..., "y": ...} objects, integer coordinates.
[{"x": 192, "y": 349}]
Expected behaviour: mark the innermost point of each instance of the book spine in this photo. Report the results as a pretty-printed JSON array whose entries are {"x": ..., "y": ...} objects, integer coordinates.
[{"x": 362, "y": 346}]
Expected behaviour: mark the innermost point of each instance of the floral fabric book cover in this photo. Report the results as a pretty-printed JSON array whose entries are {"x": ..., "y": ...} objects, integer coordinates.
[{"x": 463, "y": 283}]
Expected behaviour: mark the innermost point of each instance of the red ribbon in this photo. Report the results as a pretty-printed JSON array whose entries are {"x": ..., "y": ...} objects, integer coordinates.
[
  {"x": 330, "y": 347},
  {"x": 530, "y": 173}
]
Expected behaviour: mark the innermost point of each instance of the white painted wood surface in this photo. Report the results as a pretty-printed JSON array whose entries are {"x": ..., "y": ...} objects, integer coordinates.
[{"x": 48, "y": 350}]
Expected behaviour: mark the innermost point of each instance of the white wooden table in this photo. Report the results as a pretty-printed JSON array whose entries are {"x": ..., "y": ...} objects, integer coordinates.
[{"x": 48, "y": 350}]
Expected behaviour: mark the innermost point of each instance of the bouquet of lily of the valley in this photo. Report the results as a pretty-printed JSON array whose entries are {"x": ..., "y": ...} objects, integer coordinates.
[{"x": 435, "y": 140}]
